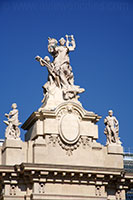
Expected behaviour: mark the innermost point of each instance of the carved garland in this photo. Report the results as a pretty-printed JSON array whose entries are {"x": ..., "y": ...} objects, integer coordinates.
[{"x": 69, "y": 148}]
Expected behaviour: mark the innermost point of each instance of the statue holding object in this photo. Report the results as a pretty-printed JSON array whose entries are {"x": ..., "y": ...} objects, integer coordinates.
[
  {"x": 60, "y": 71},
  {"x": 111, "y": 129},
  {"x": 12, "y": 130}
]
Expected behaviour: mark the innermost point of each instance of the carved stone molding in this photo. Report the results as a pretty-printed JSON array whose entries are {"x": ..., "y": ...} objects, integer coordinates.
[{"x": 69, "y": 108}]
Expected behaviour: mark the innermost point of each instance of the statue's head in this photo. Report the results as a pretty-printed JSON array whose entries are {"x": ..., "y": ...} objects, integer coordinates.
[
  {"x": 14, "y": 106},
  {"x": 110, "y": 112},
  {"x": 52, "y": 41},
  {"x": 62, "y": 41}
]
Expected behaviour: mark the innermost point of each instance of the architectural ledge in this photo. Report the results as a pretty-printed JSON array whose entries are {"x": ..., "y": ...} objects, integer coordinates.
[{"x": 68, "y": 168}]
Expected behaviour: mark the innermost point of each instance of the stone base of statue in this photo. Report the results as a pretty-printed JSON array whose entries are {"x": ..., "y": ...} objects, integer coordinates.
[
  {"x": 12, "y": 152},
  {"x": 115, "y": 149},
  {"x": 54, "y": 96}
]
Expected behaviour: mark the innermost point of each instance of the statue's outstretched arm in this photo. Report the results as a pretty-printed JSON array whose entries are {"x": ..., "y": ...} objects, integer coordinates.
[{"x": 72, "y": 47}]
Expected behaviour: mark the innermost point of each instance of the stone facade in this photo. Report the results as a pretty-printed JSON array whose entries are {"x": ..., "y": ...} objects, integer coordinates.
[{"x": 60, "y": 158}]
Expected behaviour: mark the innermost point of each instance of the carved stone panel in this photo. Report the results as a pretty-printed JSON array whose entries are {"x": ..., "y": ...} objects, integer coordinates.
[{"x": 69, "y": 128}]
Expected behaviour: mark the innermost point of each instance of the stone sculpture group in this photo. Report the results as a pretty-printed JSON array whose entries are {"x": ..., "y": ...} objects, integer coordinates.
[
  {"x": 59, "y": 88},
  {"x": 60, "y": 157},
  {"x": 60, "y": 85}
]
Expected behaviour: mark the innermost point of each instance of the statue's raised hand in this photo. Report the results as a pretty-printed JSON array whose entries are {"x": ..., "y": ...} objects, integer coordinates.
[{"x": 72, "y": 37}]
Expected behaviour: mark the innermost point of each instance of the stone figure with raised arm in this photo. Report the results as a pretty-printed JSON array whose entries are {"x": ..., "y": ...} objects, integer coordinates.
[
  {"x": 60, "y": 71},
  {"x": 61, "y": 60},
  {"x": 12, "y": 130},
  {"x": 112, "y": 128}
]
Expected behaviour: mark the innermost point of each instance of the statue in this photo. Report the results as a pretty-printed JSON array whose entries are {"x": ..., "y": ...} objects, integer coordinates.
[
  {"x": 12, "y": 130},
  {"x": 60, "y": 71},
  {"x": 112, "y": 128}
]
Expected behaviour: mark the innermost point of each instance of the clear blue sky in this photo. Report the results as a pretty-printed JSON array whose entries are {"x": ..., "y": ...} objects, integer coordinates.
[{"x": 102, "y": 61}]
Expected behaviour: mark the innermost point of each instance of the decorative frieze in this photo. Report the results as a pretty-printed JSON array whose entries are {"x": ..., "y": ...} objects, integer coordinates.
[{"x": 37, "y": 179}]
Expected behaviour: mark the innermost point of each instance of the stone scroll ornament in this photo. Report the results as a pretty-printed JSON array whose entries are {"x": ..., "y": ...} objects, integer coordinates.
[
  {"x": 12, "y": 131},
  {"x": 60, "y": 83},
  {"x": 111, "y": 129}
]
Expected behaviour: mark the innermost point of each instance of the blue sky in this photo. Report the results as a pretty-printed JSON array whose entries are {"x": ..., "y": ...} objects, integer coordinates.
[{"x": 102, "y": 61}]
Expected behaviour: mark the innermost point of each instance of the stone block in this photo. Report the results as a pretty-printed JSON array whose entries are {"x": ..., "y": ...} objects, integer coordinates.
[
  {"x": 115, "y": 149},
  {"x": 12, "y": 152}
]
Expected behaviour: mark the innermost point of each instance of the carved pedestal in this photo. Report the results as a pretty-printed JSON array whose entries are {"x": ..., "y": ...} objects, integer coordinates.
[{"x": 62, "y": 135}]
